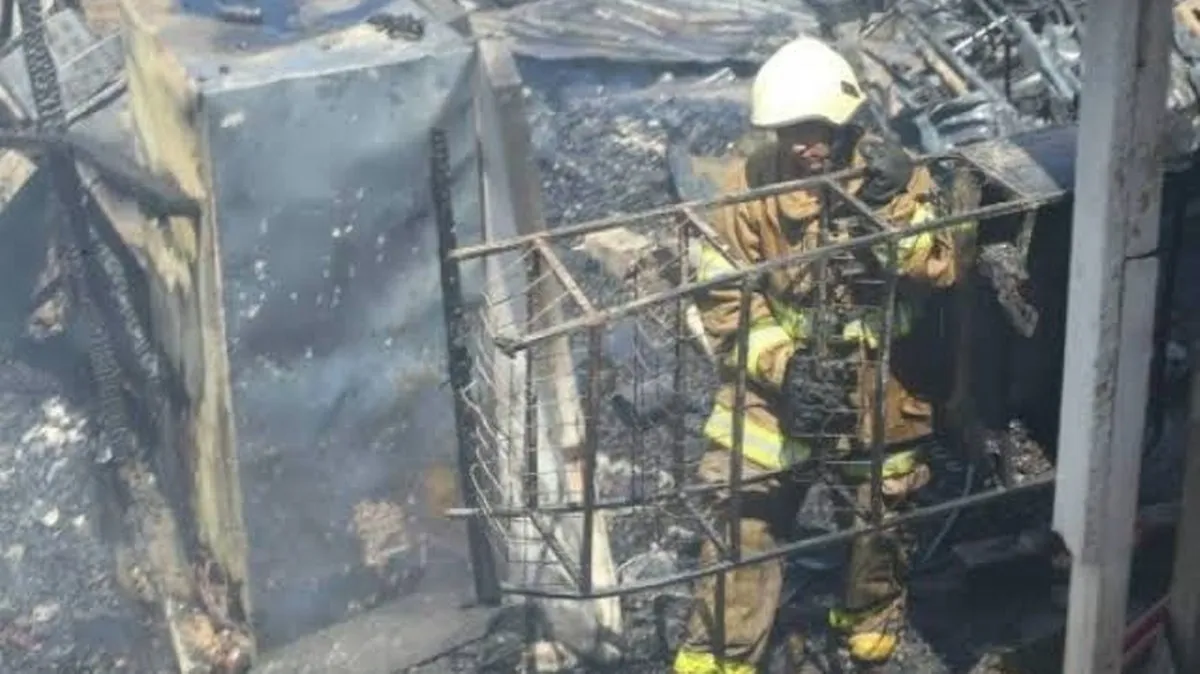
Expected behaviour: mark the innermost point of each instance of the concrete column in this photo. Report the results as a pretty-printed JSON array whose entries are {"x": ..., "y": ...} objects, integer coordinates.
[{"x": 1110, "y": 317}]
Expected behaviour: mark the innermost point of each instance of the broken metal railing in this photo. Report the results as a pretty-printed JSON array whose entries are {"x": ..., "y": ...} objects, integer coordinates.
[{"x": 600, "y": 313}]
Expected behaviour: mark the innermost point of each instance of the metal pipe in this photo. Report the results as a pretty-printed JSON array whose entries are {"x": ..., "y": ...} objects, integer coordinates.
[
  {"x": 1066, "y": 82},
  {"x": 739, "y": 419},
  {"x": 638, "y": 383},
  {"x": 512, "y": 243},
  {"x": 533, "y": 311},
  {"x": 1068, "y": 86},
  {"x": 706, "y": 527},
  {"x": 979, "y": 34},
  {"x": 825, "y": 203},
  {"x": 548, "y": 536},
  {"x": 1073, "y": 15},
  {"x": 879, "y": 427},
  {"x": 678, "y": 429},
  {"x": 591, "y": 406},
  {"x": 542, "y": 249},
  {"x": 483, "y": 562},
  {"x": 1174, "y": 222},
  {"x": 159, "y": 195},
  {"x": 513, "y": 344},
  {"x": 816, "y": 542},
  {"x": 719, "y": 618},
  {"x": 618, "y": 504},
  {"x": 8, "y": 12}
]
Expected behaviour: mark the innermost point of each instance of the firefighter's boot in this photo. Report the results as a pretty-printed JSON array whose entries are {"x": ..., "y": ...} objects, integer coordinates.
[{"x": 873, "y": 636}]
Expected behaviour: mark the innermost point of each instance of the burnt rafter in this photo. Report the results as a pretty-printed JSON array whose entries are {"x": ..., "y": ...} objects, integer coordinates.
[{"x": 157, "y": 195}]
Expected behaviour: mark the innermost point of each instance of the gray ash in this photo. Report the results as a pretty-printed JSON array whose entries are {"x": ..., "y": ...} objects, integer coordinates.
[
  {"x": 63, "y": 607},
  {"x": 601, "y": 137}
]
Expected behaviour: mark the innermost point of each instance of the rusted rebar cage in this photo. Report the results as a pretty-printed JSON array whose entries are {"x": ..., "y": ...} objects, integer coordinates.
[{"x": 606, "y": 310}]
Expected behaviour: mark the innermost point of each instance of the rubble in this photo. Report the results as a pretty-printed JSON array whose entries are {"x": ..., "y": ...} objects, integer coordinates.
[
  {"x": 601, "y": 132},
  {"x": 63, "y": 606},
  {"x": 601, "y": 135}
]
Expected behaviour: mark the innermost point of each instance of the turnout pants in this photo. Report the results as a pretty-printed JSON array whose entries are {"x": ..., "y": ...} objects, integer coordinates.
[{"x": 873, "y": 600}]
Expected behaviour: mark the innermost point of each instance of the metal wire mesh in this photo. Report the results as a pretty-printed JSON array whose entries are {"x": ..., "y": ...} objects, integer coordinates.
[{"x": 592, "y": 377}]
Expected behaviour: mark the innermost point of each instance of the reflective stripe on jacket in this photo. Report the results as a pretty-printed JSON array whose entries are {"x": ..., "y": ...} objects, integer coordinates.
[
  {"x": 765, "y": 229},
  {"x": 695, "y": 662},
  {"x": 763, "y": 444},
  {"x": 767, "y": 332}
]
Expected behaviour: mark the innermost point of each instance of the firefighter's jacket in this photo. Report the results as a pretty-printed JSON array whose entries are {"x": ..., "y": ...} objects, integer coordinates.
[{"x": 755, "y": 231}]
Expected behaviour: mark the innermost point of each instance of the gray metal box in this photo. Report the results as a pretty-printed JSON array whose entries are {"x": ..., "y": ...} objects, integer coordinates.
[{"x": 312, "y": 149}]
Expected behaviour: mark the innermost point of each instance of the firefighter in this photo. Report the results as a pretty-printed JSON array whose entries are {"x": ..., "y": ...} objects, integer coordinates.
[{"x": 809, "y": 97}]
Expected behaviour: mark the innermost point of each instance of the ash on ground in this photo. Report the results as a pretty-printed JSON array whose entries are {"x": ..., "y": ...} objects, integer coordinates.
[{"x": 63, "y": 608}]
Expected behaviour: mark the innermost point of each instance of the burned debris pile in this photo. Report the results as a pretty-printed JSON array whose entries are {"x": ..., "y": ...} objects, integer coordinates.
[
  {"x": 941, "y": 74},
  {"x": 646, "y": 377},
  {"x": 75, "y": 590},
  {"x": 955, "y": 73},
  {"x": 613, "y": 87}
]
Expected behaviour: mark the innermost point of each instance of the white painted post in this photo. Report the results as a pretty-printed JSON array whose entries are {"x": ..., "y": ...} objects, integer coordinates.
[{"x": 1110, "y": 317}]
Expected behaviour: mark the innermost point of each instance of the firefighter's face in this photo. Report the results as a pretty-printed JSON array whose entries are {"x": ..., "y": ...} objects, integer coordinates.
[{"x": 807, "y": 147}]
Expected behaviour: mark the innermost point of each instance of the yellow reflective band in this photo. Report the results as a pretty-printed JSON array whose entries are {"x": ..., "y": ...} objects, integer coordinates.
[
  {"x": 693, "y": 662},
  {"x": 844, "y": 621},
  {"x": 794, "y": 321},
  {"x": 867, "y": 645},
  {"x": 922, "y": 213},
  {"x": 894, "y": 466},
  {"x": 761, "y": 339},
  {"x": 712, "y": 264},
  {"x": 920, "y": 246},
  {"x": 872, "y": 647},
  {"x": 910, "y": 247},
  {"x": 762, "y": 446}
]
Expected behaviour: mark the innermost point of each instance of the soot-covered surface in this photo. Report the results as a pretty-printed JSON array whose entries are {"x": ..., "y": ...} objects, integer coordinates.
[
  {"x": 600, "y": 132},
  {"x": 319, "y": 156},
  {"x": 64, "y": 606}
]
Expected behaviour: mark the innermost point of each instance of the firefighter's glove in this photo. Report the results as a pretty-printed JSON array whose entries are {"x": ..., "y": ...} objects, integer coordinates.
[
  {"x": 813, "y": 397},
  {"x": 888, "y": 171}
]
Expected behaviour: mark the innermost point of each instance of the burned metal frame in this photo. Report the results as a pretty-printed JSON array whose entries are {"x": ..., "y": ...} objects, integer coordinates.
[
  {"x": 538, "y": 254},
  {"x": 1010, "y": 30},
  {"x": 483, "y": 564},
  {"x": 157, "y": 195}
]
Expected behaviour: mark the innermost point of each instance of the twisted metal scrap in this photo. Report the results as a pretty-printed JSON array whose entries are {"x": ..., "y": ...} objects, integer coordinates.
[{"x": 67, "y": 200}]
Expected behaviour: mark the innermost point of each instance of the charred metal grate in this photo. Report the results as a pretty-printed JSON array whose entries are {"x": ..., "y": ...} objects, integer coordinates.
[{"x": 631, "y": 349}]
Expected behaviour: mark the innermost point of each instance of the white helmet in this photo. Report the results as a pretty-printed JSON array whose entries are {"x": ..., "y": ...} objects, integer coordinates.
[{"x": 805, "y": 80}]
